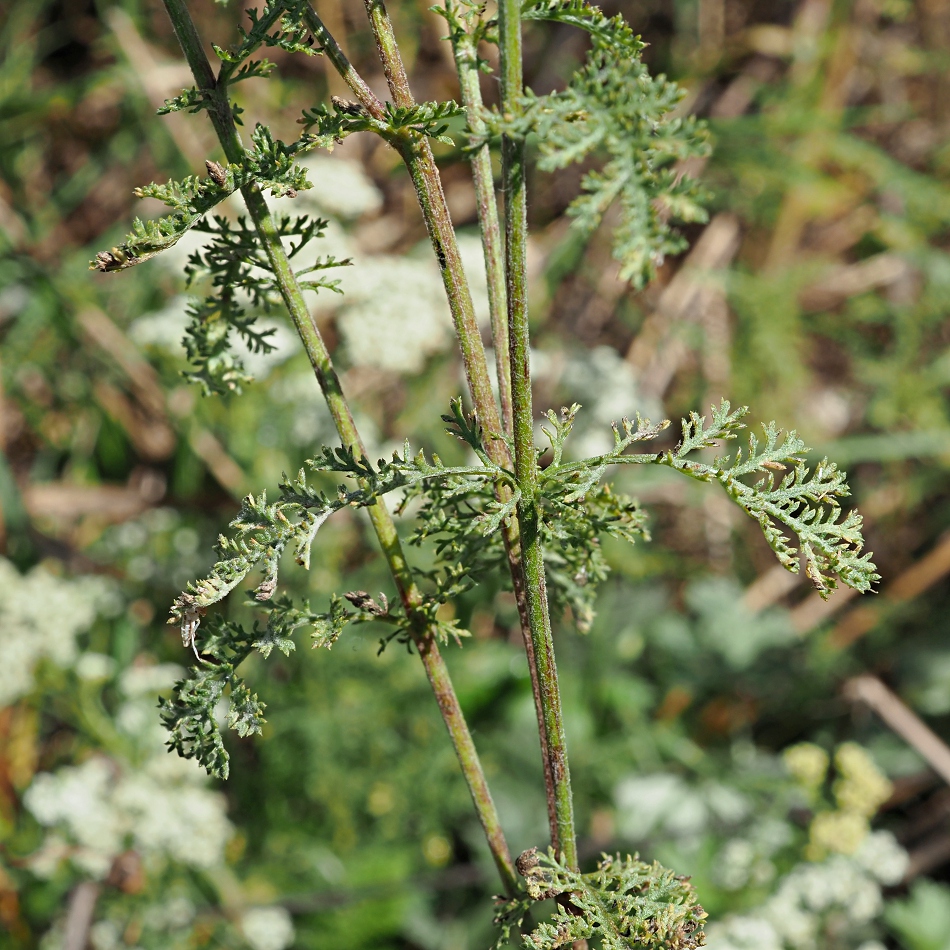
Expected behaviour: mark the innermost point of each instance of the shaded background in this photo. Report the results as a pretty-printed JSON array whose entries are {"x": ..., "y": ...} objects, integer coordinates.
[{"x": 817, "y": 294}]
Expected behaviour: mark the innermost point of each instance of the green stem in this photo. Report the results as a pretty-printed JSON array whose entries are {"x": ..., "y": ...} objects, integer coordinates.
[
  {"x": 380, "y": 516},
  {"x": 425, "y": 176},
  {"x": 526, "y": 464},
  {"x": 416, "y": 152},
  {"x": 466, "y": 62},
  {"x": 332, "y": 50}
]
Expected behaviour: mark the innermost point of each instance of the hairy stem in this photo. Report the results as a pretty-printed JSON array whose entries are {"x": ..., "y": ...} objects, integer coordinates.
[
  {"x": 526, "y": 464},
  {"x": 466, "y": 62},
  {"x": 428, "y": 183},
  {"x": 416, "y": 152},
  {"x": 330, "y": 385},
  {"x": 338, "y": 59}
]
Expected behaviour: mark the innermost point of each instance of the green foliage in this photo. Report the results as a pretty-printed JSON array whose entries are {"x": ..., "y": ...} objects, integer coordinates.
[
  {"x": 190, "y": 714},
  {"x": 615, "y": 108},
  {"x": 576, "y": 510},
  {"x": 624, "y": 903},
  {"x": 269, "y": 164},
  {"x": 586, "y": 16},
  {"x": 241, "y": 273},
  {"x": 462, "y": 516},
  {"x": 804, "y": 502},
  {"x": 291, "y": 35},
  {"x": 264, "y": 531},
  {"x": 189, "y": 100},
  {"x": 245, "y": 712},
  {"x": 921, "y": 921},
  {"x": 469, "y": 25},
  {"x": 425, "y": 118},
  {"x": 683, "y": 684},
  {"x": 325, "y": 128}
]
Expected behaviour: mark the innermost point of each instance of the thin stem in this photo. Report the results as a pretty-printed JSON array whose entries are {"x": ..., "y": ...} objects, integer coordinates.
[
  {"x": 513, "y": 552},
  {"x": 380, "y": 516},
  {"x": 333, "y": 51},
  {"x": 428, "y": 184},
  {"x": 416, "y": 152},
  {"x": 526, "y": 464},
  {"x": 466, "y": 62},
  {"x": 425, "y": 176}
]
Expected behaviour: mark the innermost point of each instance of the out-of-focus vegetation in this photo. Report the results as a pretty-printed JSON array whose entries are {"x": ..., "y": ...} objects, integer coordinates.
[{"x": 721, "y": 718}]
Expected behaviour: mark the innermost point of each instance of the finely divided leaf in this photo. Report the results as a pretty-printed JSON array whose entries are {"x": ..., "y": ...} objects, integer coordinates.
[
  {"x": 625, "y": 903},
  {"x": 270, "y": 164},
  {"x": 787, "y": 494},
  {"x": 613, "y": 108}
]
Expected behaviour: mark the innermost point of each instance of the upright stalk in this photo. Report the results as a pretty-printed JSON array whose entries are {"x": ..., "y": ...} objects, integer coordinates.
[
  {"x": 526, "y": 463},
  {"x": 380, "y": 516},
  {"x": 428, "y": 183},
  {"x": 417, "y": 154},
  {"x": 466, "y": 63}
]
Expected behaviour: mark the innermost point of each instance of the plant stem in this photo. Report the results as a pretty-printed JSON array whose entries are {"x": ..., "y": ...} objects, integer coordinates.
[
  {"x": 466, "y": 63},
  {"x": 526, "y": 463},
  {"x": 380, "y": 516},
  {"x": 466, "y": 60},
  {"x": 425, "y": 176},
  {"x": 416, "y": 152},
  {"x": 332, "y": 50}
]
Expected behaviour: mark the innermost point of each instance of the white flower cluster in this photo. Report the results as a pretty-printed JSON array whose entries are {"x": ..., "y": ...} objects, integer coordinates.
[
  {"x": 340, "y": 187},
  {"x": 748, "y": 859},
  {"x": 666, "y": 804},
  {"x": 846, "y": 888},
  {"x": 164, "y": 329},
  {"x": 101, "y": 807},
  {"x": 40, "y": 617},
  {"x": 267, "y": 928},
  {"x": 393, "y": 314}
]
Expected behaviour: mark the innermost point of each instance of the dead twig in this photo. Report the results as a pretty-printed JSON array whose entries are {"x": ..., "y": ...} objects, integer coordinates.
[
  {"x": 79, "y": 914},
  {"x": 902, "y": 720}
]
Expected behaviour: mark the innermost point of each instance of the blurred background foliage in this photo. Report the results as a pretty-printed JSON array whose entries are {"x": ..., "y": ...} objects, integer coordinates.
[{"x": 785, "y": 752}]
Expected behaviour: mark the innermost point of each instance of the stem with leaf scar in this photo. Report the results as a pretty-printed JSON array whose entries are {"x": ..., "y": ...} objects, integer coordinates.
[
  {"x": 417, "y": 155},
  {"x": 424, "y": 638}
]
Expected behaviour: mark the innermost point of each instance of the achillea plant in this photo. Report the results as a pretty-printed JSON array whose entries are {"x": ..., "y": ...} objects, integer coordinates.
[{"x": 502, "y": 511}]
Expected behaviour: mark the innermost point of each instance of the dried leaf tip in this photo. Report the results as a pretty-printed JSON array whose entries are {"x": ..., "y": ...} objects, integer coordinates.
[
  {"x": 346, "y": 106},
  {"x": 106, "y": 261},
  {"x": 217, "y": 173}
]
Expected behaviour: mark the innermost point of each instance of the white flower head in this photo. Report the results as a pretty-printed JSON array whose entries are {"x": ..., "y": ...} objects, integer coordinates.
[
  {"x": 882, "y": 857},
  {"x": 268, "y": 928},
  {"x": 40, "y": 617},
  {"x": 95, "y": 666},
  {"x": 341, "y": 187},
  {"x": 743, "y": 933}
]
